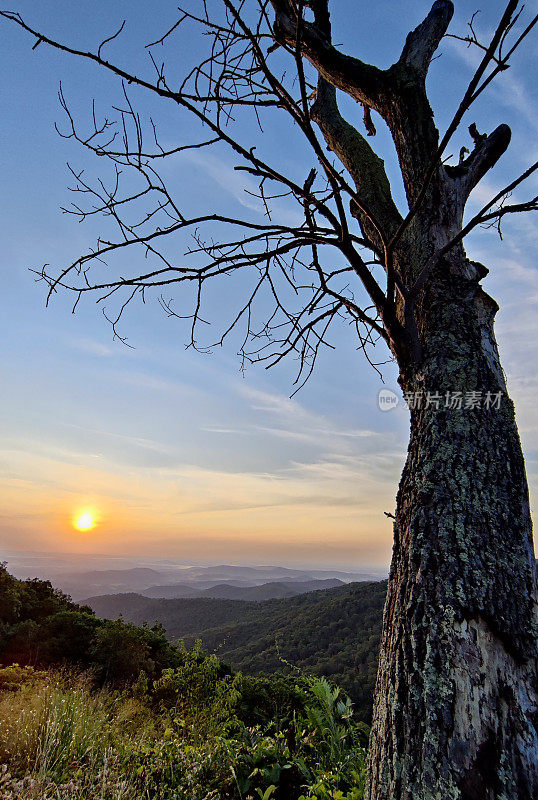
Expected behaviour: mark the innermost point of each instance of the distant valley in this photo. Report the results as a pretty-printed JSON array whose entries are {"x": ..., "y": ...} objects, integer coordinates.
[
  {"x": 259, "y": 619},
  {"x": 266, "y": 591},
  {"x": 229, "y": 581},
  {"x": 333, "y": 632}
]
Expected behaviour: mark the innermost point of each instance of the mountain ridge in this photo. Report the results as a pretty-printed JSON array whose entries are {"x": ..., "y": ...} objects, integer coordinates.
[
  {"x": 333, "y": 632},
  {"x": 143, "y": 579},
  {"x": 265, "y": 591}
]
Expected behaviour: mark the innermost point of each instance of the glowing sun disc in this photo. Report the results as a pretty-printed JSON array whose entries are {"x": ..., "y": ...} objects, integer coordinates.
[{"x": 84, "y": 522}]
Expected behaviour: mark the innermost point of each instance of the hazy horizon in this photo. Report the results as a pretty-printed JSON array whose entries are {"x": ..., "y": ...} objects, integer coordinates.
[{"x": 43, "y": 563}]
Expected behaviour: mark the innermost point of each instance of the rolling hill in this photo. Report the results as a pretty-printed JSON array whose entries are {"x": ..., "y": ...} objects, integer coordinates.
[
  {"x": 166, "y": 579},
  {"x": 333, "y": 632},
  {"x": 229, "y": 591}
]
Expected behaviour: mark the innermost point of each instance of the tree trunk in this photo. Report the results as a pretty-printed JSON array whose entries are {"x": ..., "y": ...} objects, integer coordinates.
[{"x": 456, "y": 711}]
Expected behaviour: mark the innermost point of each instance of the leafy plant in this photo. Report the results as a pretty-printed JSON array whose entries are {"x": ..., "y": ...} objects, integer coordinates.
[{"x": 171, "y": 723}]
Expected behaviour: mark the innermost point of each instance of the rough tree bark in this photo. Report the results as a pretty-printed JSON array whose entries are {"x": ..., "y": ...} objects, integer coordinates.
[
  {"x": 455, "y": 710},
  {"x": 455, "y": 704}
]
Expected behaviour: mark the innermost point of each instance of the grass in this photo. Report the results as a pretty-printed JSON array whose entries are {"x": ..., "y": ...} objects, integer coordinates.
[
  {"x": 60, "y": 739},
  {"x": 182, "y": 739}
]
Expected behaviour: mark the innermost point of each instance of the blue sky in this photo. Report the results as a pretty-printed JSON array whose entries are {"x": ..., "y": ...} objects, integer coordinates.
[{"x": 180, "y": 454}]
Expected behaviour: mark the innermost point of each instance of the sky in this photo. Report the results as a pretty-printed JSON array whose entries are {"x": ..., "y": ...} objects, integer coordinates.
[{"x": 183, "y": 455}]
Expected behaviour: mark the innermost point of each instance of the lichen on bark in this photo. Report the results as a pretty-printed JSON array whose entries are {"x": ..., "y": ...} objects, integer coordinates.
[{"x": 456, "y": 710}]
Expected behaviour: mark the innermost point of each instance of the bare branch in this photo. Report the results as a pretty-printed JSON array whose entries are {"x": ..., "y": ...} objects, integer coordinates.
[
  {"x": 474, "y": 89},
  {"x": 422, "y": 43},
  {"x": 110, "y": 38},
  {"x": 362, "y": 81},
  {"x": 487, "y": 151},
  {"x": 314, "y": 270},
  {"x": 484, "y": 215}
]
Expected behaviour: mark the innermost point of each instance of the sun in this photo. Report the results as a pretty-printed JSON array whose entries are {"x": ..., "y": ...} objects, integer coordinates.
[{"x": 84, "y": 521}]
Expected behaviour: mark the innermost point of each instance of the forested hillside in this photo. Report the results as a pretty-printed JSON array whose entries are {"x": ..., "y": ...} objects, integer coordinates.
[
  {"x": 104, "y": 710},
  {"x": 41, "y": 627},
  {"x": 334, "y": 632},
  {"x": 267, "y": 591}
]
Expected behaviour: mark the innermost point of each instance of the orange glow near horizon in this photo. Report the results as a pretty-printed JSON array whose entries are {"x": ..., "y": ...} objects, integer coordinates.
[{"x": 84, "y": 520}]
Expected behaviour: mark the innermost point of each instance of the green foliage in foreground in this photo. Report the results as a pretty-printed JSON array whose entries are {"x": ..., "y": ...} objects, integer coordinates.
[
  {"x": 40, "y": 626},
  {"x": 334, "y": 632},
  {"x": 195, "y": 733},
  {"x": 105, "y": 710}
]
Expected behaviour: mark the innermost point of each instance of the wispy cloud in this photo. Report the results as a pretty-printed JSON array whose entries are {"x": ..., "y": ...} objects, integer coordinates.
[
  {"x": 92, "y": 347},
  {"x": 136, "y": 441},
  {"x": 242, "y": 187},
  {"x": 287, "y": 418},
  {"x": 506, "y": 88}
]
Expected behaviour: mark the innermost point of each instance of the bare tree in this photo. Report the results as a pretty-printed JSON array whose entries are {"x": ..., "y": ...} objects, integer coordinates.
[{"x": 456, "y": 706}]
